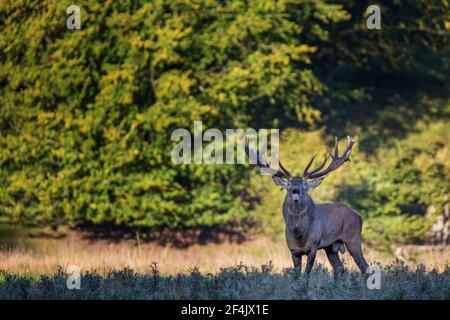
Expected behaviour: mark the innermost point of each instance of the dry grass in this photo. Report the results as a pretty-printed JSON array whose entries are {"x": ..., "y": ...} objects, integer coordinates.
[{"x": 47, "y": 254}]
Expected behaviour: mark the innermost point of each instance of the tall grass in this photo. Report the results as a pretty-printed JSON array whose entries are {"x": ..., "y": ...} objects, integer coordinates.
[
  {"x": 44, "y": 256},
  {"x": 238, "y": 282}
]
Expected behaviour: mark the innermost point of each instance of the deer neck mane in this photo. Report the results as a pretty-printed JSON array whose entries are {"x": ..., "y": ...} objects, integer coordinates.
[{"x": 298, "y": 216}]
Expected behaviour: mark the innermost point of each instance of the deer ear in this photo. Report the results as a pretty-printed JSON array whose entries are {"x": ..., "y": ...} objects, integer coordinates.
[
  {"x": 314, "y": 184},
  {"x": 280, "y": 182}
]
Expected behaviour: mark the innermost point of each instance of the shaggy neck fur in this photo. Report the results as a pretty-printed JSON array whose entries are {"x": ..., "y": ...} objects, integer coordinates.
[{"x": 299, "y": 215}]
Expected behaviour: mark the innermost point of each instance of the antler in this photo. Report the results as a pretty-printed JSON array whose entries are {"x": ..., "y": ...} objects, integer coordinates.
[
  {"x": 262, "y": 163},
  {"x": 336, "y": 161}
]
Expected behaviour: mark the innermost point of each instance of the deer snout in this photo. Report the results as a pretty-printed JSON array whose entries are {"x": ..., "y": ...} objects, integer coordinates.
[{"x": 295, "y": 195}]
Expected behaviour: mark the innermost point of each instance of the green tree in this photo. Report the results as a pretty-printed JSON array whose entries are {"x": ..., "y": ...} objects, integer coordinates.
[
  {"x": 86, "y": 115},
  {"x": 385, "y": 80}
]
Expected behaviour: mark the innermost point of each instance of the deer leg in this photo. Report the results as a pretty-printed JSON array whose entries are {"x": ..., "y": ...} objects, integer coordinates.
[
  {"x": 356, "y": 252},
  {"x": 310, "y": 261},
  {"x": 333, "y": 258},
  {"x": 297, "y": 259}
]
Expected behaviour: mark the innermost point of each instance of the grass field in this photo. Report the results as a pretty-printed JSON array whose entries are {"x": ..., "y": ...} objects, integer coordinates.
[
  {"x": 240, "y": 282},
  {"x": 45, "y": 256},
  {"x": 257, "y": 268}
]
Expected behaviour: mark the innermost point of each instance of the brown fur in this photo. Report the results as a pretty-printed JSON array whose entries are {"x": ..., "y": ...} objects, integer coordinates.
[
  {"x": 328, "y": 226},
  {"x": 310, "y": 227}
]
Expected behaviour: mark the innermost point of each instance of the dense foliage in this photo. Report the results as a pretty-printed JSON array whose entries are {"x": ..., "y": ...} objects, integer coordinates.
[
  {"x": 240, "y": 282},
  {"x": 86, "y": 115},
  {"x": 404, "y": 188}
]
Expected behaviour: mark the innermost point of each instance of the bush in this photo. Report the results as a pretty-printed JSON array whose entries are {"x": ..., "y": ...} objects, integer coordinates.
[{"x": 405, "y": 187}]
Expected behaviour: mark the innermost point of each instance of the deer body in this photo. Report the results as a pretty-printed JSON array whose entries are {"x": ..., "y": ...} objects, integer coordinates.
[
  {"x": 311, "y": 227},
  {"x": 329, "y": 226}
]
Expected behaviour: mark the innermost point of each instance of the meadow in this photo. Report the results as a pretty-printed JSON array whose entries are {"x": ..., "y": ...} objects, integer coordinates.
[
  {"x": 238, "y": 282},
  {"x": 254, "y": 268}
]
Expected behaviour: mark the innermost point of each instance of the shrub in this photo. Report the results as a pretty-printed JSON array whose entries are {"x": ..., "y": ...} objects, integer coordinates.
[{"x": 239, "y": 282}]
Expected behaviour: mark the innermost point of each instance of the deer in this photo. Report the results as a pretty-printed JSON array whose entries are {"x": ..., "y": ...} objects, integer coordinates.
[{"x": 310, "y": 227}]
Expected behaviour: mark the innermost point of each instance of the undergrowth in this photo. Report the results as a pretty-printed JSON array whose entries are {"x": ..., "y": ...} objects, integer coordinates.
[{"x": 239, "y": 282}]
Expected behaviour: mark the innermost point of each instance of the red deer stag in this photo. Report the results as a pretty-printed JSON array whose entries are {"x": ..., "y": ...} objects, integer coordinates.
[{"x": 310, "y": 226}]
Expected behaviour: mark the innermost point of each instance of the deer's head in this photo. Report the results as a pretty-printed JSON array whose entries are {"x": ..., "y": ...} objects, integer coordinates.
[{"x": 297, "y": 186}]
